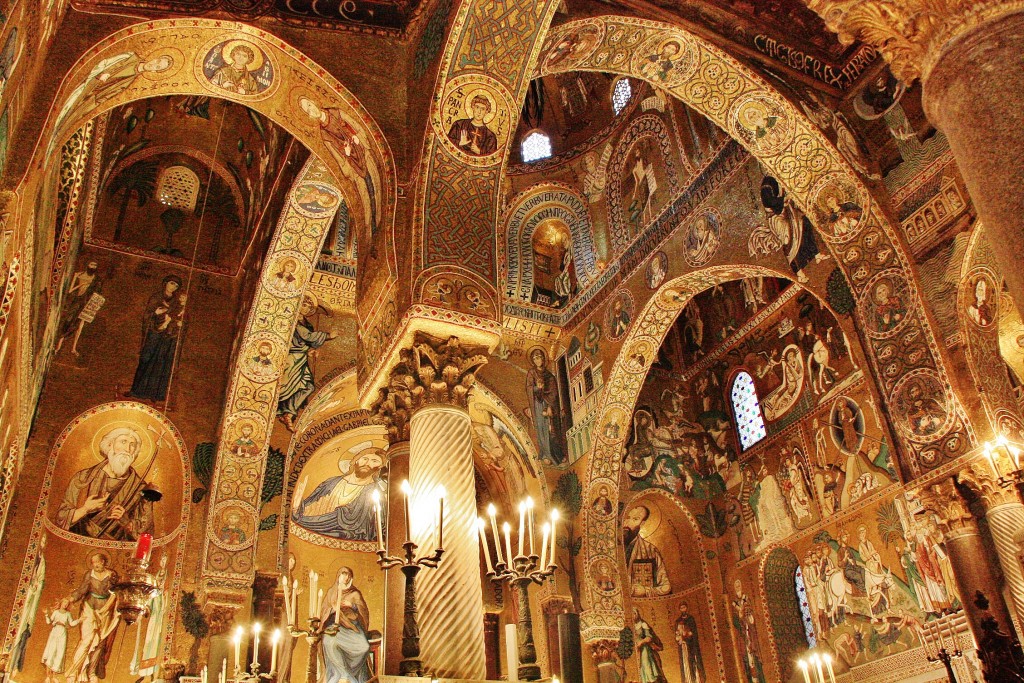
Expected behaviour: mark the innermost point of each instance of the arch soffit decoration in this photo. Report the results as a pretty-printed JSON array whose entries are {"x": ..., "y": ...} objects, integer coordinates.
[
  {"x": 525, "y": 212},
  {"x": 293, "y": 77},
  {"x": 980, "y": 332}
]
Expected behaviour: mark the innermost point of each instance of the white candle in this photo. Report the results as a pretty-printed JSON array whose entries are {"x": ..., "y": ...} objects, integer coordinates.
[
  {"x": 522, "y": 526},
  {"x": 319, "y": 599},
  {"x": 816, "y": 659},
  {"x": 529, "y": 522},
  {"x": 507, "y": 528},
  {"x": 545, "y": 531},
  {"x": 377, "y": 514},
  {"x": 202, "y": 676},
  {"x": 337, "y": 604},
  {"x": 828, "y": 667},
  {"x": 803, "y": 669},
  {"x": 275, "y": 639},
  {"x": 287, "y": 603},
  {"x": 480, "y": 524},
  {"x": 256, "y": 628},
  {"x": 407, "y": 490},
  {"x": 554, "y": 520},
  {"x": 441, "y": 493},
  {"x": 237, "y": 640},
  {"x": 512, "y": 649},
  {"x": 295, "y": 596},
  {"x": 312, "y": 595},
  {"x": 224, "y": 670},
  {"x": 491, "y": 512}
]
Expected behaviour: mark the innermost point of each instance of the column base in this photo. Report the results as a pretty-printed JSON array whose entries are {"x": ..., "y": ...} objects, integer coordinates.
[
  {"x": 410, "y": 667},
  {"x": 529, "y": 672}
]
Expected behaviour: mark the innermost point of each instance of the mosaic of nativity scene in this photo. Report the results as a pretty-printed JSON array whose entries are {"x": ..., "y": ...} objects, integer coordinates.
[{"x": 601, "y": 341}]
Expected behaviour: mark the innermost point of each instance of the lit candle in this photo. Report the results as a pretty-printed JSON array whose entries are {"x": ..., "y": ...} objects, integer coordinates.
[
  {"x": 507, "y": 528},
  {"x": 803, "y": 669},
  {"x": 441, "y": 493},
  {"x": 407, "y": 490},
  {"x": 202, "y": 676},
  {"x": 143, "y": 547},
  {"x": 480, "y": 524},
  {"x": 554, "y": 520},
  {"x": 256, "y": 628},
  {"x": 522, "y": 526},
  {"x": 237, "y": 640},
  {"x": 491, "y": 512},
  {"x": 380, "y": 523},
  {"x": 828, "y": 667},
  {"x": 275, "y": 638},
  {"x": 816, "y": 660},
  {"x": 529, "y": 522},
  {"x": 991, "y": 455},
  {"x": 545, "y": 531}
]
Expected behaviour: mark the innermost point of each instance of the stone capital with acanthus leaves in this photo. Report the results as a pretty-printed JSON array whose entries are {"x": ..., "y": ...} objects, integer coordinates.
[
  {"x": 911, "y": 34},
  {"x": 943, "y": 499}
]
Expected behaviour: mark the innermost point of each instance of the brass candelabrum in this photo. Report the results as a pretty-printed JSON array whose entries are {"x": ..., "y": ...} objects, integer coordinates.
[
  {"x": 1004, "y": 456},
  {"x": 136, "y": 591},
  {"x": 519, "y": 571},
  {"x": 411, "y": 665},
  {"x": 943, "y": 649}
]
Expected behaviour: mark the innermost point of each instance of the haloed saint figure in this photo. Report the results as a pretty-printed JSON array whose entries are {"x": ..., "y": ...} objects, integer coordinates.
[
  {"x": 162, "y": 324},
  {"x": 110, "y": 500}
]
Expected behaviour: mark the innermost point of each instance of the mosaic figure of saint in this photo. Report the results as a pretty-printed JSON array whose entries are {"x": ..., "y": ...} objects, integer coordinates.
[
  {"x": 648, "y": 646},
  {"x": 297, "y": 383},
  {"x": 344, "y": 653},
  {"x": 162, "y": 323},
  {"x": 648, "y": 576},
  {"x": 99, "y": 620},
  {"x": 690, "y": 663},
  {"x": 236, "y": 75},
  {"x": 472, "y": 135},
  {"x": 545, "y": 408}
]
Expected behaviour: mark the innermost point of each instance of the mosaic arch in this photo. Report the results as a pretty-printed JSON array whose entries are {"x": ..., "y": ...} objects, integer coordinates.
[
  {"x": 528, "y": 210},
  {"x": 905, "y": 355},
  {"x": 980, "y": 310},
  {"x": 163, "y": 58},
  {"x": 778, "y": 586}
]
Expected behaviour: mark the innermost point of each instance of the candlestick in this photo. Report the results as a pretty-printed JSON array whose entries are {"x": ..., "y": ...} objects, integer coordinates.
[
  {"x": 480, "y": 524},
  {"x": 507, "y": 528},
  {"x": 529, "y": 522},
  {"x": 803, "y": 669},
  {"x": 441, "y": 493},
  {"x": 545, "y": 532},
  {"x": 828, "y": 667},
  {"x": 407, "y": 490},
  {"x": 256, "y": 628},
  {"x": 377, "y": 514},
  {"x": 237, "y": 640},
  {"x": 275, "y": 638},
  {"x": 491, "y": 512},
  {"x": 522, "y": 524},
  {"x": 554, "y": 520}
]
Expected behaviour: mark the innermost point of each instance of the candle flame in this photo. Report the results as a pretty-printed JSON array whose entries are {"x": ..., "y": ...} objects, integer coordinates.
[
  {"x": 480, "y": 523},
  {"x": 491, "y": 510},
  {"x": 522, "y": 507},
  {"x": 406, "y": 489},
  {"x": 238, "y": 635},
  {"x": 546, "y": 528},
  {"x": 803, "y": 664},
  {"x": 276, "y": 636},
  {"x": 554, "y": 515},
  {"x": 441, "y": 492},
  {"x": 529, "y": 503},
  {"x": 256, "y": 628},
  {"x": 506, "y": 527},
  {"x": 827, "y": 657},
  {"x": 376, "y": 497}
]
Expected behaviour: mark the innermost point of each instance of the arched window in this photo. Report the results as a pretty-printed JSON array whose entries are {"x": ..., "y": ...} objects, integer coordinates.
[
  {"x": 747, "y": 411},
  {"x": 805, "y": 608},
  {"x": 536, "y": 146},
  {"x": 178, "y": 188},
  {"x": 621, "y": 92}
]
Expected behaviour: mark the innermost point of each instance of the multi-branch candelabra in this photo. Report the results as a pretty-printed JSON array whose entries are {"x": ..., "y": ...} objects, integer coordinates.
[
  {"x": 252, "y": 675},
  {"x": 139, "y": 587},
  {"x": 942, "y": 649},
  {"x": 410, "y": 564},
  {"x": 520, "y": 570}
]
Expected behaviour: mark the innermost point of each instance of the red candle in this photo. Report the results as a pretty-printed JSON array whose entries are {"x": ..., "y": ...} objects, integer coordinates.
[{"x": 143, "y": 547}]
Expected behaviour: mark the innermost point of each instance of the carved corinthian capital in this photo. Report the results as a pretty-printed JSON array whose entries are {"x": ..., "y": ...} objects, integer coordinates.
[
  {"x": 944, "y": 501},
  {"x": 431, "y": 371},
  {"x": 910, "y": 34}
]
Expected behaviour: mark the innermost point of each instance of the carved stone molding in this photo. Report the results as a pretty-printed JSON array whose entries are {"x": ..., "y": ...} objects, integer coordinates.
[
  {"x": 943, "y": 500},
  {"x": 980, "y": 480},
  {"x": 432, "y": 371},
  {"x": 910, "y": 34}
]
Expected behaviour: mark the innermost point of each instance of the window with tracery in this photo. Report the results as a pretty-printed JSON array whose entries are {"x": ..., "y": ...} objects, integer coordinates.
[
  {"x": 536, "y": 146},
  {"x": 747, "y": 411},
  {"x": 805, "y": 608},
  {"x": 178, "y": 188},
  {"x": 621, "y": 93}
]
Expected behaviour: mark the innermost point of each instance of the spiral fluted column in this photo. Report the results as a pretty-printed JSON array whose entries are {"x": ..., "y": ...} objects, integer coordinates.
[{"x": 451, "y": 610}]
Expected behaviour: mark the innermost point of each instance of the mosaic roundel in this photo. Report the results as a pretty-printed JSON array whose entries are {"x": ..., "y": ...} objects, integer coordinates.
[
  {"x": 286, "y": 274},
  {"x": 234, "y": 525},
  {"x": 315, "y": 200},
  {"x": 762, "y": 124},
  {"x": 703, "y": 236},
  {"x": 572, "y": 48},
  {"x": 619, "y": 315},
  {"x": 885, "y": 308},
  {"x": 921, "y": 406},
  {"x": 666, "y": 61},
  {"x": 474, "y": 116},
  {"x": 838, "y": 209},
  {"x": 258, "y": 361},
  {"x": 982, "y": 305},
  {"x": 237, "y": 66}
]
